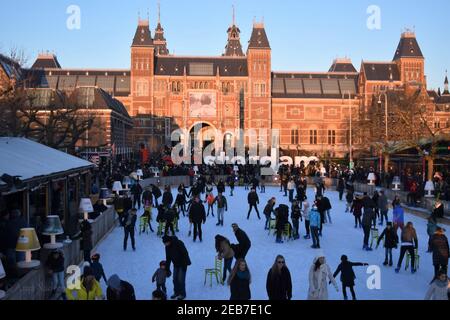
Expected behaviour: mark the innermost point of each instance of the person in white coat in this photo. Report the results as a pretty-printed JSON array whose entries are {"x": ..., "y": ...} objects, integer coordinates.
[
  {"x": 305, "y": 215},
  {"x": 291, "y": 188},
  {"x": 318, "y": 282},
  {"x": 439, "y": 288}
]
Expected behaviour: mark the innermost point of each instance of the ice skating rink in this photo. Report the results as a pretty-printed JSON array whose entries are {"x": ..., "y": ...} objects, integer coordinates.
[{"x": 339, "y": 238}]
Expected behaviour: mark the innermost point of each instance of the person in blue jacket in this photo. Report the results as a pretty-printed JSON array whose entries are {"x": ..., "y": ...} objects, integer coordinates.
[{"x": 314, "y": 224}]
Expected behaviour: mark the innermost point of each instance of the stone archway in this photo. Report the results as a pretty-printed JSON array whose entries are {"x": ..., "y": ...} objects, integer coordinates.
[{"x": 203, "y": 132}]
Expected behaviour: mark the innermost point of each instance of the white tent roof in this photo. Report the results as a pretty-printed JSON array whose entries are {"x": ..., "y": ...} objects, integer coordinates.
[{"x": 29, "y": 159}]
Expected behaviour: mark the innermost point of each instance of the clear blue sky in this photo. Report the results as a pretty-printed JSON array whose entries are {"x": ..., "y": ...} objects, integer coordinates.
[{"x": 304, "y": 35}]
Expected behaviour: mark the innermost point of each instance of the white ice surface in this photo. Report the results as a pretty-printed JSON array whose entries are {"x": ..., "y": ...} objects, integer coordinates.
[{"x": 338, "y": 238}]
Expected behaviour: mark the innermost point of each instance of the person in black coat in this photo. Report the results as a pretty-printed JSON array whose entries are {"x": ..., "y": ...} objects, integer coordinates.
[
  {"x": 296, "y": 216},
  {"x": 390, "y": 241},
  {"x": 347, "y": 275},
  {"x": 128, "y": 224},
  {"x": 97, "y": 268},
  {"x": 349, "y": 200},
  {"x": 279, "y": 283},
  {"x": 239, "y": 281},
  {"x": 255, "y": 182},
  {"x": 438, "y": 210},
  {"x": 147, "y": 197},
  {"x": 177, "y": 254},
  {"x": 119, "y": 289},
  {"x": 55, "y": 265},
  {"x": 136, "y": 191},
  {"x": 167, "y": 198},
  {"x": 180, "y": 201},
  {"x": 253, "y": 201},
  {"x": 220, "y": 186},
  {"x": 169, "y": 217},
  {"x": 197, "y": 215},
  {"x": 301, "y": 195},
  {"x": 282, "y": 214},
  {"x": 438, "y": 244},
  {"x": 321, "y": 207},
  {"x": 127, "y": 204},
  {"x": 340, "y": 187},
  {"x": 86, "y": 239},
  {"x": 156, "y": 194},
  {"x": 240, "y": 250},
  {"x": 327, "y": 206}
]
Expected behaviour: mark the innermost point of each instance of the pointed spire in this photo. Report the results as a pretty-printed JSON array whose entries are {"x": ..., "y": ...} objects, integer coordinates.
[
  {"x": 233, "y": 47},
  {"x": 159, "y": 12},
  {"x": 160, "y": 41},
  {"x": 446, "y": 91},
  {"x": 234, "y": 16}
]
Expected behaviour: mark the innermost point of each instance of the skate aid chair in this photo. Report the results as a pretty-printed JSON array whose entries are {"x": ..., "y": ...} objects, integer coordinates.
[
  {"x": 408, "y": 259},
  {"x": 272, "y": 226},
  {"x": 374, "y": 236},
  {"x": 216, "y": 271},
  {"x": 175, "y": 225},
  {"x": 161, "y": 228},
  {"x": 287, "y": 235},
  {"x": 143, "y": 224}
]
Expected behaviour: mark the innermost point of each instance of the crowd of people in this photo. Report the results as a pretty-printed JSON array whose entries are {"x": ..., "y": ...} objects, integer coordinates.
[
  {"x": 369, "y": 211},
  {"x": 210, "y": 195}
]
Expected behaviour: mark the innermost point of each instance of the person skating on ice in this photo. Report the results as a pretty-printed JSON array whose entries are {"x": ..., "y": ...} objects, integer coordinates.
[
  {"x": 347, "y": 275},
  {"x": 241, "y": 249},
  {"x": 97, "y": 268},
  {"x": 349, "y": 200},
  {"x": 268, "y": 211},
  {"x": 239, "y": 281},
  {"x": 279, "y": 282},
  {"x": 129, "y": 225},
  {"x": 390, "y": 242},
  {"x": 225, "y": 252},
  {"x": 160, "y": 277},
  {"x": 439, "y": 288},
  {"x": 438, "y": 244},
  {"x": 318, "y": 274},
  {"x": 222, "y": 206},
  {"x": 409, "y": 243},
  {"x": 305, "y": 215},
  {"x": 382, "y": 203},
  {"x": 296, "y": 217},
  {"x": 253, "y": 201},
  {"x": 356, "y": 210},
  {"x": 197, "y": 216},
  {"x": 314, "y": 224},
  {"x": 367, "y": 221},
  {"x": 177, "y": 254}
]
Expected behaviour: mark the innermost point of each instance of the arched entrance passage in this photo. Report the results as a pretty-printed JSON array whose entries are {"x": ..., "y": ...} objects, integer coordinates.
[{"x": 202, "y": 134}]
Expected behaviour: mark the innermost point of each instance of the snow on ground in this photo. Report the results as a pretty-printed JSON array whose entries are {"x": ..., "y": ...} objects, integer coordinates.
[{"x": 338, "y": 238}]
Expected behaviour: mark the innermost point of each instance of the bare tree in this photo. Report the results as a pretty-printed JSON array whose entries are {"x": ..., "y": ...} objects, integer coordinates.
[
  {"x": 410, "y": 125},
  {"x": 54, "y": 120}
]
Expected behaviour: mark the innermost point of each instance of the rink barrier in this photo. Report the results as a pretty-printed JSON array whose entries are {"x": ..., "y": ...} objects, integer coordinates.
[
  {"x": 425, "y": 203},
  {"x": 36, "y": 284}
]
